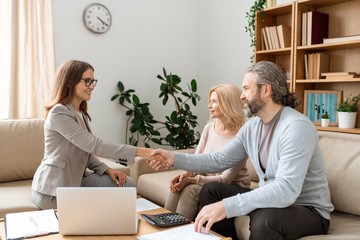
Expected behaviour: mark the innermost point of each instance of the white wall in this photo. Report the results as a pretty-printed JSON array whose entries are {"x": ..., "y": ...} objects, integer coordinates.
[
  {"x": 201, "y": 39},
  {"x": 145, "y": 36},
  {"x": 223, "y": 46}
]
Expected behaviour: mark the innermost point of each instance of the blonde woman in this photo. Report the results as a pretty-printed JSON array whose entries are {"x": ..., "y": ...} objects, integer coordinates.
[{"x": 225, "y": 107}]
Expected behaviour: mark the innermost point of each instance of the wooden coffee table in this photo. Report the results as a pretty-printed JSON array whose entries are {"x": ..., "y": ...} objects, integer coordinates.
[{"x": 143, "y": 228}]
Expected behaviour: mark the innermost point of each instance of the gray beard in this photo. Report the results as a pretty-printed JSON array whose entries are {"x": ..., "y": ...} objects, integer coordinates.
[{"x": 252, "y": 108}]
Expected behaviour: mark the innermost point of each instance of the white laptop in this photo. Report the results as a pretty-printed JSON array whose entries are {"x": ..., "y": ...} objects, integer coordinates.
[{"x": 96, "y": 210}]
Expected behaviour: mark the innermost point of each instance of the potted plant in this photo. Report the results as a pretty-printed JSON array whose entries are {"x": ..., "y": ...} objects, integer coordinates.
[
  {"x": 325, "y": 120},
  {"x": 180, "y": 123},
  {"x": 347, "y": 111}
]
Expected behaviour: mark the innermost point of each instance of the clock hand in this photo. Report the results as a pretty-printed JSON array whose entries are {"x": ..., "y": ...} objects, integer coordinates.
[{"x": 102, "y": 21}]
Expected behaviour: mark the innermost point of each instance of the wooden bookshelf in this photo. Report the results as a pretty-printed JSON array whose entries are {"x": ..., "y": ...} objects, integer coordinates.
[
  {"x": 343, "y": 56},
  {"x": 274, "y": 16}
]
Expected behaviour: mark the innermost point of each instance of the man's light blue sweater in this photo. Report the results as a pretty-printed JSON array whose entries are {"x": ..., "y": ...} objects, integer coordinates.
[{"x": 295, "y": 173}]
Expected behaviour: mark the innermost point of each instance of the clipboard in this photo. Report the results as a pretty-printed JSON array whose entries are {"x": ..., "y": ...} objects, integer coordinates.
[{"x": 30, "y": 224}]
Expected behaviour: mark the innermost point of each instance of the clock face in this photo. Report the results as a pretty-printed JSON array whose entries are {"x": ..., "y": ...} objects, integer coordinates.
[{"x": 97, "y": 18}]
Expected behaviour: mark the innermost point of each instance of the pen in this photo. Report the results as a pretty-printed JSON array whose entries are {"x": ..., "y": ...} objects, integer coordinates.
[{"x": 35, "y": 234}]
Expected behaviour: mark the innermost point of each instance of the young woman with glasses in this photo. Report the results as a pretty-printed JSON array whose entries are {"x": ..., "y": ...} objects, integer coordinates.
[{"x": 70, "y": 146}]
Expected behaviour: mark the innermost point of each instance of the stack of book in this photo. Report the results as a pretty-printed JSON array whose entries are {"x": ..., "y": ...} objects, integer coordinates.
[
  {"x": 342, "y": 39},
  {"x": 314, "y": 27},
  {"x": 275, "y": 37},
  {"x": 315, "y": 64},
  {"x": 339, "y": 75}
]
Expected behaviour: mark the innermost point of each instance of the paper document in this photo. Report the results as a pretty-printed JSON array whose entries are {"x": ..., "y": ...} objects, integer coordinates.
[
  {"x": 31, "y": 224},
  {"x": 142, "y": 204},
  {"x": 186, "y": 232}
]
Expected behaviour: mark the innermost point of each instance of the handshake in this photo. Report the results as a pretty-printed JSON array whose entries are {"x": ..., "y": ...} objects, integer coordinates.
[{"x": 157, "y": 159}]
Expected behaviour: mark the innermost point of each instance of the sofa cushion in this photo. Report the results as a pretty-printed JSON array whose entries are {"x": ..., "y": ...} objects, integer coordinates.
[
  {"x": 342, "y": 162},
  {"x": 156, "y": 186},
  {"x": 16, "y": 197},
  {"x": 21, "y": 148}
]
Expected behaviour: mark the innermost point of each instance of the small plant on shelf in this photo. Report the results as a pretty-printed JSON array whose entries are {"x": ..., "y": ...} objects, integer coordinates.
[
  {"x": 325, "y": 116},
  {"x": 180, "y": 124},
  {"x": 349, "y": 104}
]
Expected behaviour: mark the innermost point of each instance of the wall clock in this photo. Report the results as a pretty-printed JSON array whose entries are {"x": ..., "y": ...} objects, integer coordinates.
[{"x": 97, "y": 18}]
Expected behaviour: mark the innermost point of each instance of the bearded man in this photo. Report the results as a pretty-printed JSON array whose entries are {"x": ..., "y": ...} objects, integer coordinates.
[{"x": 293, "y": 198}]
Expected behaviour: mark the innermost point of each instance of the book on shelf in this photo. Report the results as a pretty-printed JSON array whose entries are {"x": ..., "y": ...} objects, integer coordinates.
[
  {"x": 270, "y": 36},
  {"x": 341, "y": 39},
  {"x": 284, "y": 33},
  {"x": 304, "y": 29},
  {"x": 339, "y": 75},
  {"x": 315, "y": 64},
  {"x": 315, "y": 27},
  {"x": 325, "y": 74},
  {"x": 306, "y": 65},
  {"x": 275, "y": 37},
  {"x": 265, "y": 38}
]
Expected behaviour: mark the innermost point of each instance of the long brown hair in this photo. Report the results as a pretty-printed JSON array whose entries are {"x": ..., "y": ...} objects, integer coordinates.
[
  {"x": 230, "y": 103},
  {"x": 68, "y": 75}
]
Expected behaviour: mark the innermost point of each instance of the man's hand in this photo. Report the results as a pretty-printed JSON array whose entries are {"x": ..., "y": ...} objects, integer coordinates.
[
  {"x": 117, "y": 176},
  {"x": 211, "y": 214},
  {"x": 167, "y": 158}
]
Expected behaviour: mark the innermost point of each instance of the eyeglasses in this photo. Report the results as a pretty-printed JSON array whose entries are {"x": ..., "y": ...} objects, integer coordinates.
[{"x": 89, "y": 81}]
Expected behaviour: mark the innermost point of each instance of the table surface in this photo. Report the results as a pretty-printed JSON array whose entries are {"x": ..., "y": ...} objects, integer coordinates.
[{"x": 143, "y": 228}]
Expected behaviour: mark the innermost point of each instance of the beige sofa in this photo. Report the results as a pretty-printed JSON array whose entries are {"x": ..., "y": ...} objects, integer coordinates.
[
  {"x": 341, "y": 153},
  {"x": 21, "y": 151}
]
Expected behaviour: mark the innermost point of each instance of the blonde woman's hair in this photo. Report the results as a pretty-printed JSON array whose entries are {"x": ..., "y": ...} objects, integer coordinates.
[
  {"x": 68, "y": 75},
  {"x": 230, "y": 103}
]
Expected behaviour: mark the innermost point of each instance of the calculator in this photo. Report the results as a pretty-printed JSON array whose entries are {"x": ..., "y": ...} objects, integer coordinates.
[{"x": 165, "y": 219}]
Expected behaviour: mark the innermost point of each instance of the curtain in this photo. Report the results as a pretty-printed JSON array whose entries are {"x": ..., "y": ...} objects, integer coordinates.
[{"x": 27, "y": 65}]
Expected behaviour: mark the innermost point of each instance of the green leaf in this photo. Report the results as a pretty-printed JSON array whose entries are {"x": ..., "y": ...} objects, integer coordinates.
[
  {"x": 157, "y": 141},
  {"x": 127, "y": 99},
  {"x": 185, "y": 94},
  {"x": 173, "y": 115},
  {"x": 165, "y": 100},
  {"x": 156, "y": 133},
  {"x": 176, "y": 79},
  {"x": 136, "y": 99},
  {"x": 137, "y": 122},
  {"x": 164, "y": 71},
  {"x": 178, "y": 88},
  {"x": 193, "y": 85},
  {"x": 115, "y": 97},
  {"x": 129, "y": 112},
  {"x": 193, "y": 101},
  {"x": 133, "y": 129},
  {"x": 160, "y": 77},
  {"x": 121, "y": 100},
  {"x": 121, "y": 86},
  {"x": 142, "y": 129},
  {"x": 163, "y": 86},
  {"x": 147, "y": 145}
]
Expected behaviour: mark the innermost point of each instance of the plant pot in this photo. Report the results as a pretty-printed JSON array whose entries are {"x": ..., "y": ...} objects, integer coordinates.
[
  {"x": 325, "y": 122},
  {"x": 347, "y": 119}
]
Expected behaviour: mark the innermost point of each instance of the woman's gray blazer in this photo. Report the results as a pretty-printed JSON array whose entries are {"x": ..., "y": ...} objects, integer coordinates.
[{"x": 70, "y": 149}]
